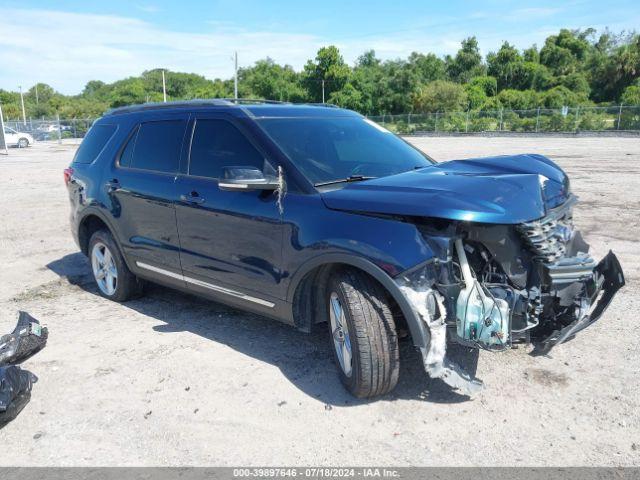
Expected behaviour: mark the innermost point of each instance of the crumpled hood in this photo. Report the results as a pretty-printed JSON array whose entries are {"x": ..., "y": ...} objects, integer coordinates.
[{"x": 505, "y": 189}]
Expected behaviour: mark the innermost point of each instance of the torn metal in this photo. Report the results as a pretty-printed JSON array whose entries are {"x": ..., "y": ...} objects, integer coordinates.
[
  {"x": 491, "y": 285},
  {"x": 430, "y": 305}
]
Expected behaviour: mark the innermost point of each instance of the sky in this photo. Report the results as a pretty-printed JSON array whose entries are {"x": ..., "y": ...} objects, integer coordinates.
[{"x": 66, "y": 43}]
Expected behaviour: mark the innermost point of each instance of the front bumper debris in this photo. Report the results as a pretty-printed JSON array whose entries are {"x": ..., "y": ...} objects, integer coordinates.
[
  {"x": 436, "y": 363},
  {"x": 27, "y": 338},
  {"x": 610, "y": 279}
]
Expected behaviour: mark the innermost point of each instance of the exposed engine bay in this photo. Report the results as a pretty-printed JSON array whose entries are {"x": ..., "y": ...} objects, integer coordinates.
[{"x": 493, "y": 285}]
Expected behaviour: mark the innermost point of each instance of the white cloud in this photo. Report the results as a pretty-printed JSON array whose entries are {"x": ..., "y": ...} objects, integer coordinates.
[{"x": 66, "y": 50}]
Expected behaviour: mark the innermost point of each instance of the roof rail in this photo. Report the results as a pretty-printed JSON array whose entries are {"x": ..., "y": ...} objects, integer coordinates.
[
  {"x": 253, "y": 100},
  {"x": 206, "y": 102},
  {"x": 161, "y": 105},
  {"x": 320, "y": 104}
]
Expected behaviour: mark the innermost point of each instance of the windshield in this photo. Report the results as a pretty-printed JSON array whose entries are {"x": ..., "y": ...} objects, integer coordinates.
[{"x": 336, "y": 148}]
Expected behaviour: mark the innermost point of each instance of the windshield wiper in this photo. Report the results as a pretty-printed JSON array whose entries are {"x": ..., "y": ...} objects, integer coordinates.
[{"x": 351, "y": 178}]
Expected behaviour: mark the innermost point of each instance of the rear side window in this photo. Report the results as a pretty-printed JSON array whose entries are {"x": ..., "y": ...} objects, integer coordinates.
[
  {"x": 217, "y": 144},
  {"x": 94, "y": 141},
  {"x": 156, "y": 146},
  {"x": 127, "y": 153}
]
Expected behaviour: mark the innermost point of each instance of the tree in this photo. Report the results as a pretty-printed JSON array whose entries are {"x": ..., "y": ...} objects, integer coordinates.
[
  {"x": 440, "y": 96},
  {"x": 467, "y": 63},
  {"x": 349, "y": 97},
  {"x": 572, "y": 68},
  {"x": 328, "y": 66},
  {"x": 518, "y": 99},
  {"x": 266, "y": 79},
  {"x": 507, "y": 66},
  {"x": 564, "y": 52},
  {"x": 560, "y": 96},
  {"x": 531, "y": 54},
  {"x": 631, "y": 95},
  {"x": 427, "y": 68}
]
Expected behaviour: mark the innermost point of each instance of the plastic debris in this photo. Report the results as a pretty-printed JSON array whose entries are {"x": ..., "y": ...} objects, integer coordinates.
[
  {"x": 15, "y": 392},
  {"x": 27, "y": 339}
]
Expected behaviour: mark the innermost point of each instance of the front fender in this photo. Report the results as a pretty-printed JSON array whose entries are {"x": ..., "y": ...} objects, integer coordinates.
[
  {"x": 384, "y": 247},
  {"x": 419, "y": 334}
]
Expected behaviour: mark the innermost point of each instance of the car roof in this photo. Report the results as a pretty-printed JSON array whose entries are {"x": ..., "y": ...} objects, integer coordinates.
[{"x": 251, "y": 107}]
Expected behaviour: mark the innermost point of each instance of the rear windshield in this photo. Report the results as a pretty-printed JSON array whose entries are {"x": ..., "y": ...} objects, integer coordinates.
[
  {"x": 93, "y": 143},
  {"x": 331, "y": 148}
]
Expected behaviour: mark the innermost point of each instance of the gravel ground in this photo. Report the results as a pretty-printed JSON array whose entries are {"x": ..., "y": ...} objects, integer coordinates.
[{"x": 174, "y": 380}]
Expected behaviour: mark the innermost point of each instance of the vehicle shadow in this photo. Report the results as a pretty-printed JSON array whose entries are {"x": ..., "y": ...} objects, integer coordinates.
[{"x": 304, "y": 359}]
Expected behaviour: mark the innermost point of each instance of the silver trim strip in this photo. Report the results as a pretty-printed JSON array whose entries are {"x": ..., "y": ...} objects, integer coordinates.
[{"x": 200, "y": 283}]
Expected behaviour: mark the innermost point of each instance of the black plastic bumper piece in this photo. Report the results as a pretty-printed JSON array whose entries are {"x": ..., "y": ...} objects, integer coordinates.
[{"x": 610, "y": 271}]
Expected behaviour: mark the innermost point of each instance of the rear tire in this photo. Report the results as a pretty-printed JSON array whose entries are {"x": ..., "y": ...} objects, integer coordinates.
[
  {"x": 363, "y": 334},
  {"x": 110, "y": 272}
]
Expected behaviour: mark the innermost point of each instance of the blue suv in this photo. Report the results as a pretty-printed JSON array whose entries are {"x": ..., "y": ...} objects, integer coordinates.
[{"x": 311, "y": 215}]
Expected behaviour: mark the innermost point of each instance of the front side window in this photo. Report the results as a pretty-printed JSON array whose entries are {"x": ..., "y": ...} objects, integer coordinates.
[
  {"x": 94, "y": 142},
  {"x": 327, "y": 149},
  {"x": 217, "y": 144},
  {"x": 156, "y": 146}
]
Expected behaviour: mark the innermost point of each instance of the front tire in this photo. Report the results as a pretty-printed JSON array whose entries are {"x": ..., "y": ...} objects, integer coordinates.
[
  {"x": 110, "y": 272},
  {"x": 363, "y": 334},
  {"x": 23, "y": 143}
]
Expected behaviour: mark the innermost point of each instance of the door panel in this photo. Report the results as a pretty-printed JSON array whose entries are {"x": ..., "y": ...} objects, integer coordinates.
[
  {"x": 232, "y": 239},
  {"x": 144, "y": 206},
  {"x": 142, "y": 189}
]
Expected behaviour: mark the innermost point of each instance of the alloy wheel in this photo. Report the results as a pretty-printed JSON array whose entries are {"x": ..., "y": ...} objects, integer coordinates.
[
  {"x": 340, "y": 334},
  {"x": 104, "y": 269}
]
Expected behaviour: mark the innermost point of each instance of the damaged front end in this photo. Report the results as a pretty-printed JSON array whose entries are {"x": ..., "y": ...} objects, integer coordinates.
[{"x": 492, "y": 285}]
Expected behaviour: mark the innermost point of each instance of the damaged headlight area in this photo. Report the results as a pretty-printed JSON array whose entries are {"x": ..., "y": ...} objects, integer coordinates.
[{"x": 490, "y": 286}]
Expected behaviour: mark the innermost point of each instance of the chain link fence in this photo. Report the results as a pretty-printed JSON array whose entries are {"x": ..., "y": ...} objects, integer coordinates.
[
  {"x": 54, "y": 129},
  {"x": 541, "y": 120},
  {"x": 567, "y": 120}
]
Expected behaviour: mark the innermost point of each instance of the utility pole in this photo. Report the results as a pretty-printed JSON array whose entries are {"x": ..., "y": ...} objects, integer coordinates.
[
  {"x": 24, "y": 116},
  {"x": 619, "y": 116},
  {"x": 235, "y": 77},
  {"x": 164, "y": 88},
  {"x": 323, "y": 91},
  {"x": 4, "y": 140}
]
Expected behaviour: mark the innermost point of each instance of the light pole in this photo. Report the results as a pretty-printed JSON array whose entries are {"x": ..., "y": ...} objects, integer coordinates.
[
  {"x": 323, "y": 91},
  {"x": 235, "y": 78},
  {"x": 164, "y": 88},
  {"x": 24, "y": 116}
]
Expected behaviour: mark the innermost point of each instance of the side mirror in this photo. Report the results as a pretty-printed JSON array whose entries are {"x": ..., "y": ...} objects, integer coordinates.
[{"x": 246, "y": 178}]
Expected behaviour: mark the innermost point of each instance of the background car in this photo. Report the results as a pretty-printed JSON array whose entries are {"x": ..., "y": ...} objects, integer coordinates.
[{"x": 14, "y": 138}]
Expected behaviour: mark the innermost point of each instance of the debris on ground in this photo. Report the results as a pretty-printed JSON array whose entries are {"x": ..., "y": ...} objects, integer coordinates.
[
  {"x": 27, "y": 339},
  {"x": 15, "y": 392}
]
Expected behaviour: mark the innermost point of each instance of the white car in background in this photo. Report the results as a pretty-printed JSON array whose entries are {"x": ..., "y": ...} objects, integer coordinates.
[{"x": 14, "y": 138}]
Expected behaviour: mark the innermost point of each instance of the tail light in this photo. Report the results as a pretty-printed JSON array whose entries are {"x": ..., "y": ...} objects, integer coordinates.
[{"x": 68, "y": 173}]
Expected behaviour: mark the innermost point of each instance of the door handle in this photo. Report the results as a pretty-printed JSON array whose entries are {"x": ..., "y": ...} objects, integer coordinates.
[
  {"x": 193, "y": 198},
  {"x": 113, "y": 185}
]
